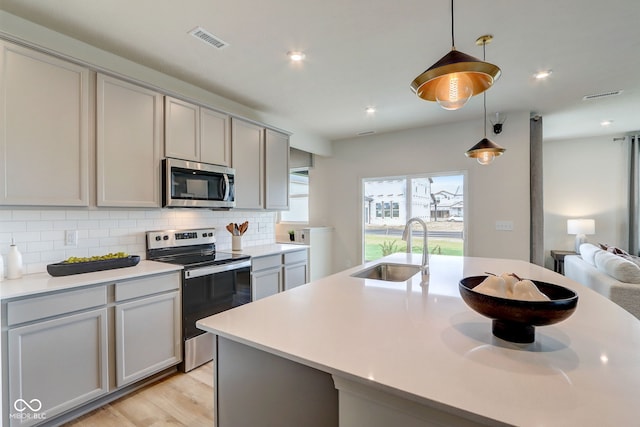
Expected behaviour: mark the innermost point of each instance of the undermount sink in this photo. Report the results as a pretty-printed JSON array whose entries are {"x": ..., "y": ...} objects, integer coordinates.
[{"x": 388, "y": 272}]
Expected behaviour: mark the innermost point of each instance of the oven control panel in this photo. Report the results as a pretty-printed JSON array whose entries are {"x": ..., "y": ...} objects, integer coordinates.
[{"x": 177, "y": 238}]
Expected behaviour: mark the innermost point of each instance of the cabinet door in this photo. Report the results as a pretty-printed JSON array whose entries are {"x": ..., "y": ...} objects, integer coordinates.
[
  {"x": 294, "y": 275},
  {"x": 276, "y": 170},
  {"x": 265, "y": 283},
  {"x": 247, "y": 154},
  {"x": 44, "y": 136},
  {"x": 215, "y": 137},
  {"x": 129, "y": 128},
  {"x": 62, "y": 363},
  {"x": 181, "y": 129},
  {"x": 147, "y": 336}
]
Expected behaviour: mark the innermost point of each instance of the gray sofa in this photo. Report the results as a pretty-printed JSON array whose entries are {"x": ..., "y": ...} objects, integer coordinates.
[{"x": 596, "y": 269}]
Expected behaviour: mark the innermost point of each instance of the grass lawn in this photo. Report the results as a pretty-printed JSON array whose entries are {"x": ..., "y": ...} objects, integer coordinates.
[{"x": 373, "y": 248}]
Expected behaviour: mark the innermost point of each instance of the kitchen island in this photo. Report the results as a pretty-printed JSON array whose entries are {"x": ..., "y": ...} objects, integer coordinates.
[{"x": 351, "y": 352}]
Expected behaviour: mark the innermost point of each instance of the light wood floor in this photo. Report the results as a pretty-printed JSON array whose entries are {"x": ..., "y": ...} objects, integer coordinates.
[{"x": 178, "y": 400}]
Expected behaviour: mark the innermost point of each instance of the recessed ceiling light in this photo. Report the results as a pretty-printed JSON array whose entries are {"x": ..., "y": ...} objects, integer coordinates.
[
  {"x": 296, "y": 56},
  {"x": 606, "y": 123},
  {"x": 370, "y": 110},
  {"x": 540, "y": 75}
]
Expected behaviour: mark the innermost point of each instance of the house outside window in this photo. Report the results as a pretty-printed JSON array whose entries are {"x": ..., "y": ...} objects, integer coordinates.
[
  {"x": 298, "y": 198},
  {"x": 389, "y": 202}
]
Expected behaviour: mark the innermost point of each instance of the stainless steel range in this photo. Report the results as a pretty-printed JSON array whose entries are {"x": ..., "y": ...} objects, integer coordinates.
[{"x": 212, "y": 282}]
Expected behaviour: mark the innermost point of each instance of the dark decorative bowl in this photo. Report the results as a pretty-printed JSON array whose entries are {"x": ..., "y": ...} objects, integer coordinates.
[
  {"x": 66, "y": 268},
  {"x": 515, "y": 320}
]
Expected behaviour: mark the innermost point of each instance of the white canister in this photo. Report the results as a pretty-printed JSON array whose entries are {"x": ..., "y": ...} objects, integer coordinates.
[
  {"x": 236, "y": 243},
  {"x": 14, "y": 263}
]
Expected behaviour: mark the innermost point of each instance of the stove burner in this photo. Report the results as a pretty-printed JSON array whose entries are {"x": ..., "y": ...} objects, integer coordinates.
[{"x": 189, "y": 248}]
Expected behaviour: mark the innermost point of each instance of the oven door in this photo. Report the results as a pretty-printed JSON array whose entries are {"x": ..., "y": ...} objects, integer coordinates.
[
  {"x": 204, "y": 294},
  {"x": 208, "y": 294}
]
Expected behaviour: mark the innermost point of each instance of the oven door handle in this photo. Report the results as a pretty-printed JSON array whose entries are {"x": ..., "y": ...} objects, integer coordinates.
[{"x": 213, "y": 269}]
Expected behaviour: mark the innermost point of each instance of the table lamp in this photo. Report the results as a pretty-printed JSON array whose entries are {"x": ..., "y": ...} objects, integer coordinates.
[{"x": 581, "y": 227}]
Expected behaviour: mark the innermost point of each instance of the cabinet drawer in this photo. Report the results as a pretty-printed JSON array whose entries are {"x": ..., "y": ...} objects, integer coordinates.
[
  {"x": 49, "y": 305},
  {"x": 147, "y": 286},
  {"x": 293, "y": 257},
  {"x": 269, "y": 261}
]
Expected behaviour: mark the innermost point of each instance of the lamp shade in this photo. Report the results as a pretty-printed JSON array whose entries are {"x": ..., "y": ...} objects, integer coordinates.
[
  {"x": 485, "y": 151},
  {"x": 454, "y": 79},
  {"x": 581, "y": 226}
]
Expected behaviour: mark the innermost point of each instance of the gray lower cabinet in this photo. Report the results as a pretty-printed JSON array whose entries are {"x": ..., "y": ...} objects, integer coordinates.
[
  {"x": 142, "y": 350},
  {"x": 57, "y": 365},
  {"x": 295, "y": 269},
  {"x": 70, "y": 348},
  {"x": 275, "y": 273},
  {"x": 266, "y": 276}
]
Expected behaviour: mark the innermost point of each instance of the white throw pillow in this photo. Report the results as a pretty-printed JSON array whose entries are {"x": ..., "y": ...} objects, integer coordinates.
[
  {"x": 588, "y": 252},
  {"x": 617, "y": 267}
]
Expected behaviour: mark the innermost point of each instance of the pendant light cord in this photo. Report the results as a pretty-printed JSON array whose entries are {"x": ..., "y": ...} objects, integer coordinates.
[
  {"x": 484, "y": 94},
  {"x": 453, "y": 43}
]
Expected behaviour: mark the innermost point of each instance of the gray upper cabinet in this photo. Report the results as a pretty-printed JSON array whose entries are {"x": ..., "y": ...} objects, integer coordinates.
[
  {"x": 276, "y": 170},
  {"x": 247, "y": 152},
  {"x": 181, "y": 129},
  {"x": 196, "y": 133},
  {"x": 44, "y": 129},
  {"x": 261, "y": 160},
  {"x": 215, "y": 137},
  {"x": 129, "y": 144}
]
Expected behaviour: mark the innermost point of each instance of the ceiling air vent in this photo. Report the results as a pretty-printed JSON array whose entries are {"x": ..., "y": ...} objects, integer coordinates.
[
  {"x": 601, "y": 95},
  {"x": 208, "y": 38},
  {"x": 367, "y": 132}
]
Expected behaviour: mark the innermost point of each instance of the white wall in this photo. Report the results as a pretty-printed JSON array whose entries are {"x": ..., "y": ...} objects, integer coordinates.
[
  {"x": 585, "y": 178},
  {"x": 39, "y": 233},
  {"x": 499, "y": 191}
]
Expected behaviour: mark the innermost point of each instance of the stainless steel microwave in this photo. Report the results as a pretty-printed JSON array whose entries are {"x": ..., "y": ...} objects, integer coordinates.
[{"x": 190, "y": 184}]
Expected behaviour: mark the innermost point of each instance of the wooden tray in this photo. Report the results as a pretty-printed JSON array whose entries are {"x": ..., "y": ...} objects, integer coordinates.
[{"x": 66, "y": 269}]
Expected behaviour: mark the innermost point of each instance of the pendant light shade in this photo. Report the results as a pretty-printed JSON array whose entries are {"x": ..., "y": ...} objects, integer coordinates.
[
  {"x": 455, "y": 78},
  {"x": 486, "y": 150}
]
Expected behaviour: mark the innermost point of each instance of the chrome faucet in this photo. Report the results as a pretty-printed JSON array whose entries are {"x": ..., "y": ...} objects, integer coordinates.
[{"x": 425, "y": 248}]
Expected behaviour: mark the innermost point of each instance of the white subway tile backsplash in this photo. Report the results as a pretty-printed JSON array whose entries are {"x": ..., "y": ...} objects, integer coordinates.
[
  {"x": 83, "y": 215},
  {"x": 39, "y": 226},
  {"x": 27, "y": 215},
  {"x": 99, "y": 232},
  {"x": 44, "y": 246},
  {"x": 103, "y": 214},
  {"x": 13, "y": 226},
  {"x": 53, "y": 215},
  {"x": 40, "y": 233}
]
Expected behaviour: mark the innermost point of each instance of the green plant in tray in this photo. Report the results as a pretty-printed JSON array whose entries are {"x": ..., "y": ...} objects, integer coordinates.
[{"x": 113, "y": 255}]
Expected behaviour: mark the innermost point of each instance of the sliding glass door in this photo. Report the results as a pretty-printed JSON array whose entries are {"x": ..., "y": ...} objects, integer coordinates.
[{"x": 388, "y": 202}]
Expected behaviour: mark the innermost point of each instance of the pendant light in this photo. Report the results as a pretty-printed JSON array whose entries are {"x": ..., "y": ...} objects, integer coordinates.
[
  {"x": 486, "y": 150},
  {"x": 455, "y": 78}
]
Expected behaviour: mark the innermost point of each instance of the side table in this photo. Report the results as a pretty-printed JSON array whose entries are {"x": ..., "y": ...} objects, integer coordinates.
[{"x": 558, "y": 259}]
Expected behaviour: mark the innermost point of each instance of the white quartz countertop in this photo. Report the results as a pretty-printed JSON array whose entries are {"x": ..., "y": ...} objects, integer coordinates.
[
  {"x": 425, "y": 344},
  {"x": 271, "y": 249},
  {"x": 34, "y": 284}
]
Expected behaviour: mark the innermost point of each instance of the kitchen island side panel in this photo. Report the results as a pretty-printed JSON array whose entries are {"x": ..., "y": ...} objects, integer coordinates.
[{"x": 255, "y": 388}]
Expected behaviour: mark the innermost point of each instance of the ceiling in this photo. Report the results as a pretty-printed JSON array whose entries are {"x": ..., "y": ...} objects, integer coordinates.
[{"x": 366, "y": 52}]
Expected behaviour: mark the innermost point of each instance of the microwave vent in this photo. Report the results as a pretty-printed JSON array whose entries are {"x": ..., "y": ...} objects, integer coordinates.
[{"x": 208, "y": 38}]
